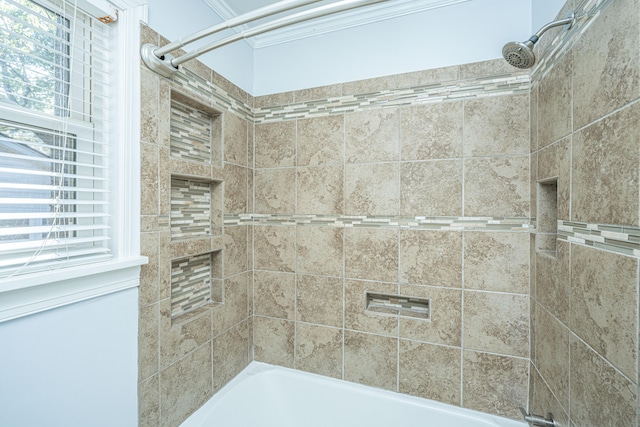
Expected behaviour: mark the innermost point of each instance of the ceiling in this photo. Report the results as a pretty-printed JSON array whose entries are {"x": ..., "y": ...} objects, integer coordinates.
[{"x": 388, "y": 9}]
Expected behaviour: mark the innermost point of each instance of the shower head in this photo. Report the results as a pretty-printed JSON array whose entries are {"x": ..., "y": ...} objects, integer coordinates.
[{"x": 520, "y": 54}]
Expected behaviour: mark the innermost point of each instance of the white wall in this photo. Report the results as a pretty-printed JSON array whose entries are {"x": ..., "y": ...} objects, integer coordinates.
[
  {"x": 175, "y": 19},
  {"x": 74, "y": 366},
  {"x": 466, "y": 32},
  {"x": 544, "y": 11}
]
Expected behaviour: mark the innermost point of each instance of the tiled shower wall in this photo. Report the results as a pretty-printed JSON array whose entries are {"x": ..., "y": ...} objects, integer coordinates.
[
  {"x": 585, "y": 134},
  {"x": 185, "y": 358},
  {"x": 413, "y": 185}
]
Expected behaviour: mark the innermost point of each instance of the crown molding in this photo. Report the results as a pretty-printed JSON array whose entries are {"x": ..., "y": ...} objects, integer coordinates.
[{"x": 328, "y": 24}]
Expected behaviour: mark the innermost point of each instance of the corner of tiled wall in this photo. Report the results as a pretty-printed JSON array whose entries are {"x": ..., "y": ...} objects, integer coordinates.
[
  {"x": 184, "y": 359},
  {"x": 585, "y": 296}
]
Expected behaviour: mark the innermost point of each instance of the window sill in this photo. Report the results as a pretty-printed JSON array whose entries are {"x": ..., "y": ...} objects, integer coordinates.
[{"x": 29, "y": 294}]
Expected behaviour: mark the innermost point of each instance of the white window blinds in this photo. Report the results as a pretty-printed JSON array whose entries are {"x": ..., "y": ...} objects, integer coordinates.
[{"x": 54, "y": 136}]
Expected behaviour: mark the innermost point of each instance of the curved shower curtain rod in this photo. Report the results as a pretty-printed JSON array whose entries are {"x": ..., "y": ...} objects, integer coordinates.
[{"x": 159, "y": 60}]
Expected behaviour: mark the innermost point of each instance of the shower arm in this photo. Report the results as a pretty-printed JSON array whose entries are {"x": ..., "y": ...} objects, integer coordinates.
[
  {"x": 166, "y": 65},
  {"x": 570, "y": 20}
]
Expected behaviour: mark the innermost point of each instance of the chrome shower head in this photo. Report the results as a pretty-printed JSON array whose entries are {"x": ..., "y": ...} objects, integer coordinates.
[{"x": 519, "y": 54}]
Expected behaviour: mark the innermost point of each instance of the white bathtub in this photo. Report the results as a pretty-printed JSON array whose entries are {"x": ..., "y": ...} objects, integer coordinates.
[{"x": 270, "y": 396}]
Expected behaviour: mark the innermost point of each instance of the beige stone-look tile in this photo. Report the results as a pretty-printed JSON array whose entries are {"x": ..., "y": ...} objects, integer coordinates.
[
  {"x": 275, "y": 191},
  {"x": 164, "y": 267},
  {"x": 149, "y": 247},
  {"x": 275, "y": 144},
  {"x": 431, "y": 188},
  {"x": 272, "y": 100},
  {"x": 496, "y": 323},
  {"x": 235, "y": 139},
  {"x": 185, "y": 386},
  {"x": 492, "y": 67},
  {"x": 552, "y": 353},
  {"x": 199, "y": 69},
  {"x": 235, "y": 189},
  {"x": 274, "y": 248},
  {"x": 251, "y": 191},
  {"x": 496, "y": 126},
  {"x": 600, "y": 396},
  {"x": 542, "y": 400},
  {"x": 149, "y": 179},
  {"x": 497, "y": 187},
  {"x": 319, "y": 350},
  {"x": 430, "y": 371},
  {"x": 553, "y": 283},
  {"x": 148, "y": 223},
  {"x": 321, "y": 141},
  {"x": 148, "y": 325},
  {"x": 371, "y": 253},
  {"x": 369, "y": 85},
  {"x": 164, "y": 181},
  {"x": 554, "y": 102},
  {"x": 319, "y": 300},
  {"x": 147, "y": 35},
  {"x": 235, "y": 250},
  {"x": 445, "y": 324},
  {"x": 164, "y": 114},
  {"x": 426, "y": 77},
  {"x": 319, "y": 250},
  {"x": 431, "y": 131},
  {"x": 149, "y": 105},
  {"x": 371, "y": 360},
  {"x": 496, "y": 261},
  {"x": 604, "y": 304},
  {"x": 251, "y": 146},
  {"x": 233, "y": 90},
  {"x": 605, "y": 168},
  {"x": 431, "y": 257},
  {"x": 554, "y": 161},
  {"x": 234, "y": 309},
  {"x": 230, "y": 354},
  {"x": 275, "y": 294},
  {"x": 372, "y": 189},
  {"x": 320, "y": 190},
  {"x": 178, "y": 340},
  {"x": 494, "y": 384},
  {"x": 606, "y": 64},
  {"x": 320, "y": 92},
  {"x": 372, "y": 136},
  {"x": 355, "y": 302},
  {"x": 534, "y": 128},
  {"x": 273, "y": 341},
  {"x": 149, "y": 403}
]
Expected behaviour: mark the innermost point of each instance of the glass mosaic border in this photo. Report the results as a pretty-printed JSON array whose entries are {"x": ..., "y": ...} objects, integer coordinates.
[
  {"x": 515, "y": 83},
  {"x": 417, "y": 223},
  {"x": 616, "y": 238}
]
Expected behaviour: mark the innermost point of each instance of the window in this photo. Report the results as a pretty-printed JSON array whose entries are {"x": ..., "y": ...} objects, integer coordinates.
[{"x": 55, "y": 138}]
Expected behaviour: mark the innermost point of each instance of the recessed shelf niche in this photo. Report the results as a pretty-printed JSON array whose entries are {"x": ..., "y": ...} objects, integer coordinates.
[
  {"x": 195, "y": 207},
  {"x": 547, "y": 217},
  {"x": 195, "y": 282},
  {"x": 195, "y": 131}
]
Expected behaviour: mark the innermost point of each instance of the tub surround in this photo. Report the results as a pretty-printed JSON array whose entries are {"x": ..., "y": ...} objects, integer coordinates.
[{"x": 423, "y": 185}]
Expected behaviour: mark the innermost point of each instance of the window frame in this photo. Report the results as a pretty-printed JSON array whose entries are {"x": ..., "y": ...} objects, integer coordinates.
[{"x": 31, "y": 293}]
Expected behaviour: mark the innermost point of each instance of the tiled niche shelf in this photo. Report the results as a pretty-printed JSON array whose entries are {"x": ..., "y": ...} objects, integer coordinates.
[
  {"x": 196, "y": 282},
  {"x": 547, "y": 218},
  {"x": 195, "y": 131},
  {"x": 196, "y": 208}
]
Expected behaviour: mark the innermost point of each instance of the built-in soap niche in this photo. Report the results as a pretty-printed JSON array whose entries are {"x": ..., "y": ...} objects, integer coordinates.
[
  {"x": 195, "y": 131},
  {"x": 196, "y": 208},
  {"x": 196, "y": 282},
  {"x": 547, "y": 217},
  {"x": 398, "y": 305}
]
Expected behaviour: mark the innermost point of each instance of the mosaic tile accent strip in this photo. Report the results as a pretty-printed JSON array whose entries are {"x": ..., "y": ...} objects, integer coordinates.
[
  {"x": 219, "y": 98},
  {"x": 190, "y": 133},
  {"x": 586, "y": 13},
  {"x": 399, "y": 305},
  {"x": 419, "y": 222},
  {"x": 616, "y": 238},
  {"x": 452, "y": 91},
  {"x": 190, "y": 208},
  {"x": 190, "y": 284}
]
